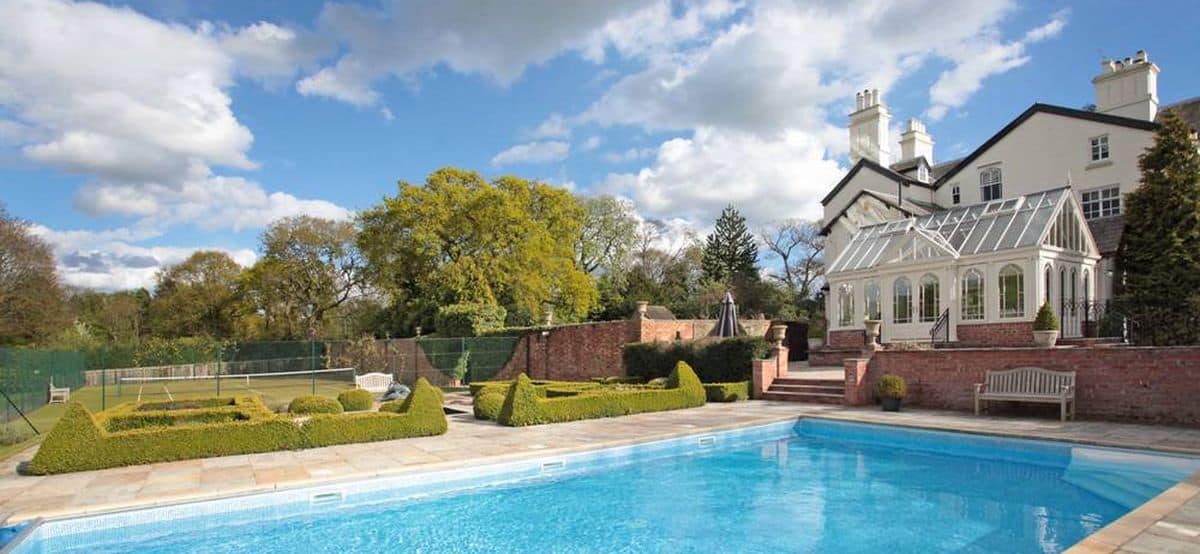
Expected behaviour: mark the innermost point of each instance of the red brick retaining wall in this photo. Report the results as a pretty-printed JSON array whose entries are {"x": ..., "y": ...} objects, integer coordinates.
[
  {"x": 1114, "y": 383},
  {"x": 570, "y": 352},
  {"x": 1017, "y": 333},
  {"x": 847, "y": 339}
]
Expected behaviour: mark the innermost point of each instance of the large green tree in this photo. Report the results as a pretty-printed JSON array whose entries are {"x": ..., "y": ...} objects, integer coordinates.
[
  {"x": 462, "y": 239},
  {"x": 607, "y": 236},
  {"x": 197, "y": 297},
  {"x": 1158, "y": 261},
  {"x": 32, "y": 302},
  {"x": 730, "y": 252},
  {"x": 120, "y": 317}
]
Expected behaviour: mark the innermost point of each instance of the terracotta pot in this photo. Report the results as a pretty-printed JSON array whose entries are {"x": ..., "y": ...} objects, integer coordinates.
[{"x": 1045, "y": 339}]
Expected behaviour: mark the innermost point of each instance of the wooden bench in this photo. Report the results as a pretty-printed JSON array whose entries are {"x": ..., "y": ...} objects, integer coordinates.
[
  {"x": 59, "y": 395},
  {"x": 1029, "y": 384},
  {"x": 373, "y": 382}
]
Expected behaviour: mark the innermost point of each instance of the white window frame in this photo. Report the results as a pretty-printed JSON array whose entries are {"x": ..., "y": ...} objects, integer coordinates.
[
  {"x": 1009, "y": 312},
  {"x": 874, "y": 296},
  {"x": 973, "y": 311},
  {"x": 896, "y": 301},
  {"x": 1103, "y": 202},
  {"x": 1099, "y": 148},
  {"x": 845, "y": 305},
  {"x": 956, "y": 195},
  {"x": 991, "y": 179}
]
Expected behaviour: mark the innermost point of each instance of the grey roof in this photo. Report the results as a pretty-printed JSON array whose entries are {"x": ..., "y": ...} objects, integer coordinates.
[
  {"x": 655, "y": 311},
  {"x": 910, "y": 206},
  {"x": 1188, "y": 109},
  {"x": 988, "y": 227},
  {"x": 938, "y": 170},
  {"x": 1106, "y": 231}
]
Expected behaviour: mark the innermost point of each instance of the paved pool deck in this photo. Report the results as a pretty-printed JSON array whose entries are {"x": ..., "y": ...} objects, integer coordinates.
[{"x": 1168, "y": 523}]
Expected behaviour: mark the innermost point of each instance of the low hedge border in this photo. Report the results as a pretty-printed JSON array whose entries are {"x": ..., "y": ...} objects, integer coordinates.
[
  {"x": 727, "y": 392},
  {"x": 522, "y": 405},
  {"x": 714, "y": 360},
  {"x": 313, "y": 404},
  {"x": 80, "y": 442},
  {"x": 356, "y": 400}
]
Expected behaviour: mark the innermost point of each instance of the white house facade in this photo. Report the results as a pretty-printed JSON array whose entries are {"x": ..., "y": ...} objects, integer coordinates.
[{"x": 1063, "y": 172}]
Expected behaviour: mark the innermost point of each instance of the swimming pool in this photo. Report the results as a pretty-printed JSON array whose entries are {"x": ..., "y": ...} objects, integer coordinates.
[{"x": 813, "y": 486}]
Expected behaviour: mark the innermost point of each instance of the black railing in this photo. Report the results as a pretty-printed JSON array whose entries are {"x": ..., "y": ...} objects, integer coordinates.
[
  {"x": 941, "y": 329},
  {"x": 1134, "y": 322}
]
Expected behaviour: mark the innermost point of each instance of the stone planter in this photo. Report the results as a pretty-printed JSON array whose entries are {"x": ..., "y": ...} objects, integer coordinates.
[
  {"x": 1045, "y": 339},
  {"x": 815, "y": 343},
  {"x": 872, "y": 326},
  {"x": 890, "y": 403}
]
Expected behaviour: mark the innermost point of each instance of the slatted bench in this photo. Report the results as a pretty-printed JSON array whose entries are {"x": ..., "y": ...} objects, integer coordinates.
[
  {"x": 1029, "y": 384},
  {"x": 59, "y": 395},
  {"x": 373, "y": 382}
]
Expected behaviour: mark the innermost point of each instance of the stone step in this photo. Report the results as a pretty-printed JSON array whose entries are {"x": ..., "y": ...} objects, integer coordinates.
[
  {"x": 824, "y": 389},
  {"x": 810, "y": 397},
  {"x": 811, "y": 382}
]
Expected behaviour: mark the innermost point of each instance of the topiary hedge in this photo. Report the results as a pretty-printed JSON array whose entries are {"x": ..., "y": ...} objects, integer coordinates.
[
  {"x": 523, "y": 406},
  {"x": 715, "y": 361},
  {"x": 727, "y": 392},
  {"x": 488, "y": 404},
  {"x": 356, "y": 400},
  {"x": 314, "y": 405},
  {"x": 81, "y": 442}
]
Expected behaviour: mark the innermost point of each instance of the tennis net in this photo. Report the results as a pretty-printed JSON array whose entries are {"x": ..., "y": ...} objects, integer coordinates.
[{"x": 274, "y": 387}]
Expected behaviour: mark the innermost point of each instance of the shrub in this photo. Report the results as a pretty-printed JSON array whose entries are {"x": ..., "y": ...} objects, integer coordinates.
[
  {"x": 14, "y": 433},
  {"x": 522, "y": 406},
  {"x": 727, "y": 392},
  {"x": 356, "y": 400},
  {"x": 488, "y": 404},
  {"x": 459, "y": 371},
  {"x": 469, "y": 319},
  {"x": 891, "y": 386},
  {"x": 1046, "y": 320},
  {"x": 185, "y": 404},
  {"x": 312, "y": 404},
  {"x": 716, "y": 361},
  {"x": 79, "y": 441}
]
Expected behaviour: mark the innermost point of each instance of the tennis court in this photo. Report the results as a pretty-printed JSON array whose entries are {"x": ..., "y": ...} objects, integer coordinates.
[{"x": 274, "y": 388}]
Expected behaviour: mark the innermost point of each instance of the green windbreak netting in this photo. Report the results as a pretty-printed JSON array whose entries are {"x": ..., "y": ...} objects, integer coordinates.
[
  {"x": 25, "y": 377},
  {"x": 481, "y": 357}
]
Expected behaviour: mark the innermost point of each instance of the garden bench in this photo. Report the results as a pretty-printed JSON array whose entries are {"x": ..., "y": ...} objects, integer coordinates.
[
  {"x": 1029, "y": 384},
  {"x": 59, "y": 395},
  {"x": 373, "y": 382}
]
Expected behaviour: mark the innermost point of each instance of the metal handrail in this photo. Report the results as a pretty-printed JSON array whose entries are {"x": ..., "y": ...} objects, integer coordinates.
[{"x": 941, "y": 327}]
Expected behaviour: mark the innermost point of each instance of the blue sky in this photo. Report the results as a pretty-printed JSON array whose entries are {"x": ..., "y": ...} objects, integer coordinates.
[{"x": 132, "y": 133}]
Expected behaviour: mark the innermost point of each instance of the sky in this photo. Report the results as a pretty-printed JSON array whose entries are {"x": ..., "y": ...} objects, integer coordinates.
[{"x": 133, "y": 133}]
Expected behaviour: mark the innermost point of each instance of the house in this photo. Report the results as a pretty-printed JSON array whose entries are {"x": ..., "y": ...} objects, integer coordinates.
[{"x": 970, "y": 248}]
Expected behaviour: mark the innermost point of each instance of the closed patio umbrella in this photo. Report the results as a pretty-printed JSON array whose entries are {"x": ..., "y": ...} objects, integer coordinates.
[{"x": 727, "y": 325}]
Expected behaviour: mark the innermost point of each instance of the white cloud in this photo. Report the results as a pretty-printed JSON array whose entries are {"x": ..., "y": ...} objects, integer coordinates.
[
  {"x": 533, "y": 152},
  {"x": 593, "y": 142},
  {"x": 553, "y": 127},
  {"x": 630, "y": 155},
  {"x": 271, "y": 53}
]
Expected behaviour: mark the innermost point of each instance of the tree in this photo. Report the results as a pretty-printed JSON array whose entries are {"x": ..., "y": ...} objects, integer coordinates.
[
  {"x": 462, "y": 239},
  {"x": 197, "y": 297},
  {"x": 730, "y": 251},
  {"x": 608, "y": 235},
  {"x": 310, "y": 267},
  {"x": 120, "y": 317},
  {"x": 799, "y": 246},
  {"x": 32, "y": 302},
  {"x": 1158, "y": 260}
]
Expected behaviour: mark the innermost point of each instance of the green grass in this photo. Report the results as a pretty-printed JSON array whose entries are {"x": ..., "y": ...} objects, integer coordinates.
[{"x": 275, "y": 392}]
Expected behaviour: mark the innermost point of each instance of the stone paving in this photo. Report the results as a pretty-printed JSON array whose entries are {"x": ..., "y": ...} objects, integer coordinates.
[{"x": 1169, "y": 523}]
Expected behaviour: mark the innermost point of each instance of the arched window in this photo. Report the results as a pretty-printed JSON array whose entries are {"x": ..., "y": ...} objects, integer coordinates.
[
  {"x": 1012, "y": 291},
  {"x": 972, "y": 295},
  {"x": 1074, "y": 286},
  {"x": 1048, "y": 281},
  {"x": 902, "y": 301},
  {"x": 1087, "y": 287},
  {"x": 930, "y": 302},
  {"x": 845, "y": 305},
  {"x": 873, "y": 309},
  {"x": 990, "y": 184}
]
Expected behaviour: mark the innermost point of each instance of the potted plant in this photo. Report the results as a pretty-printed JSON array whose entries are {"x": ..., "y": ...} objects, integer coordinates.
[
  {"x": 1045, "y": 327},
  {"x": 891, "y": 390}
]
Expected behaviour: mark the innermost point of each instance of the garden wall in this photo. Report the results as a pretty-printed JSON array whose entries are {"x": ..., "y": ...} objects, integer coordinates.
[
  {"x": 1148, "y": 384},
  {"x": 571, "y": 352},
  {"x": 1019, "y": 333}
]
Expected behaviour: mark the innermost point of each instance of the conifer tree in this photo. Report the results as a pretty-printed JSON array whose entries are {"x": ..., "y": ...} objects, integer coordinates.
[
  {"x": 1158, "y": 262},
  {"x": 730, "y": 252}
]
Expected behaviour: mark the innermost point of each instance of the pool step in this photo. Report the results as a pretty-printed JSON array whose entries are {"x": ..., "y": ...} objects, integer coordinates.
[{"x": 801, "y": 389}]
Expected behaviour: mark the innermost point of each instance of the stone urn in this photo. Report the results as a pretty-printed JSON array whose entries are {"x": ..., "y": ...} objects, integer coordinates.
[
  {"x": 872, "y": 326},
  {"x": 1045, "y": 339},
  {"x": 778, "y": 333}
]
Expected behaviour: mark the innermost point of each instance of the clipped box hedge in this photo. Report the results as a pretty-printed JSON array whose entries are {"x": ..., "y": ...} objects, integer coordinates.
[
  {"x": 715, "y": 361},
  {"x": 523, "y": 406},
  {"x": 356, "y": 400},
  {"x": 727, "y": 392},
  {"x": 313, "y": 404},
  {"x": 80, "y": 441}
]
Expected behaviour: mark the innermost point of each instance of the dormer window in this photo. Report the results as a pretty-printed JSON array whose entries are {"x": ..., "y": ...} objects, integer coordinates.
[
  {"x": 1099, "y": 148},
  {"x": 957, "y": 195},
  {"x": 922, "y": 173},
  {"x": 990, "y": 184}
]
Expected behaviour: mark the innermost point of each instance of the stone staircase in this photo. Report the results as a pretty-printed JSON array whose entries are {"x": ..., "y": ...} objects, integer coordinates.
[{"x": 796, "y": 387}]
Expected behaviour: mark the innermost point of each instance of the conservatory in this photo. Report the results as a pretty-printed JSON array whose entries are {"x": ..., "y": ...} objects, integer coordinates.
[{"x": 972, "y": 274}]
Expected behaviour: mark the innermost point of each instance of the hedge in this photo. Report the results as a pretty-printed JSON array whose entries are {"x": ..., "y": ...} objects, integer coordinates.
[
  {"x": 356, "y": 400},
  {"x": 727, "y": 392},
  {"x": 468, "y": 319},
  {"x": 523, "y": 406},
  {"x": 80, "y": 442},
  {"x": 312, "y": 404},
  {"x": 715, "y": 361},
  {"x": 488, "y": 404}
]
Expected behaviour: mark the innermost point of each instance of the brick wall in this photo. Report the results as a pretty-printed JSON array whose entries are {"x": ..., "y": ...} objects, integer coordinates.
[
  {"x": 1017, "y": 333},
  {"x": 1122, "y": 383},
  {"x": 847, "y": 339},
  {"x": 652, "y": 330},
  {"x": 571, "y": 352}
]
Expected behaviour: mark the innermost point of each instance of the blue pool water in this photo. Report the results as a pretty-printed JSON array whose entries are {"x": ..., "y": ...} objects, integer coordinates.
[{"x": 814, "y": 486}]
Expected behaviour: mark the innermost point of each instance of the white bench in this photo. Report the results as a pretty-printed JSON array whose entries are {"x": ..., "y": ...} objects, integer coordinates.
[
  {"x": 373, "y": 382},
  {"x": 59, "y": 395},
  {"x": 1029, "y": 384}
]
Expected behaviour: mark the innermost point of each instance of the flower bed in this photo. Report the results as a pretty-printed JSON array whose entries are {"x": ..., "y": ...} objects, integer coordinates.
[{"x": 83, "y": 441}]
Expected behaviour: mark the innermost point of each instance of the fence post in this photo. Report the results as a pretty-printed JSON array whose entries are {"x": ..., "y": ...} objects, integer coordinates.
[
  {"x": 312, "y": 363},
  {"x": 220, "y": 355}
]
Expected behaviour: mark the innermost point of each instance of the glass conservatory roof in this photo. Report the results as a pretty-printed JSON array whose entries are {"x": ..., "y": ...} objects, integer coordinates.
[{"x": 992, "y": 226}]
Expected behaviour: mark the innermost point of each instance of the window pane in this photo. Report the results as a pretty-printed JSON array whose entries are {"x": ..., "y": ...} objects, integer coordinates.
[
  {"x": 902, "y": 301},
  {"x": 845, "y": 305},
  {"x": 930, "y": 303},
  {"x": 972, "y": 305},
  {"x": 873, "y": 308},
  {"x": 1012, "y": 292}
]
